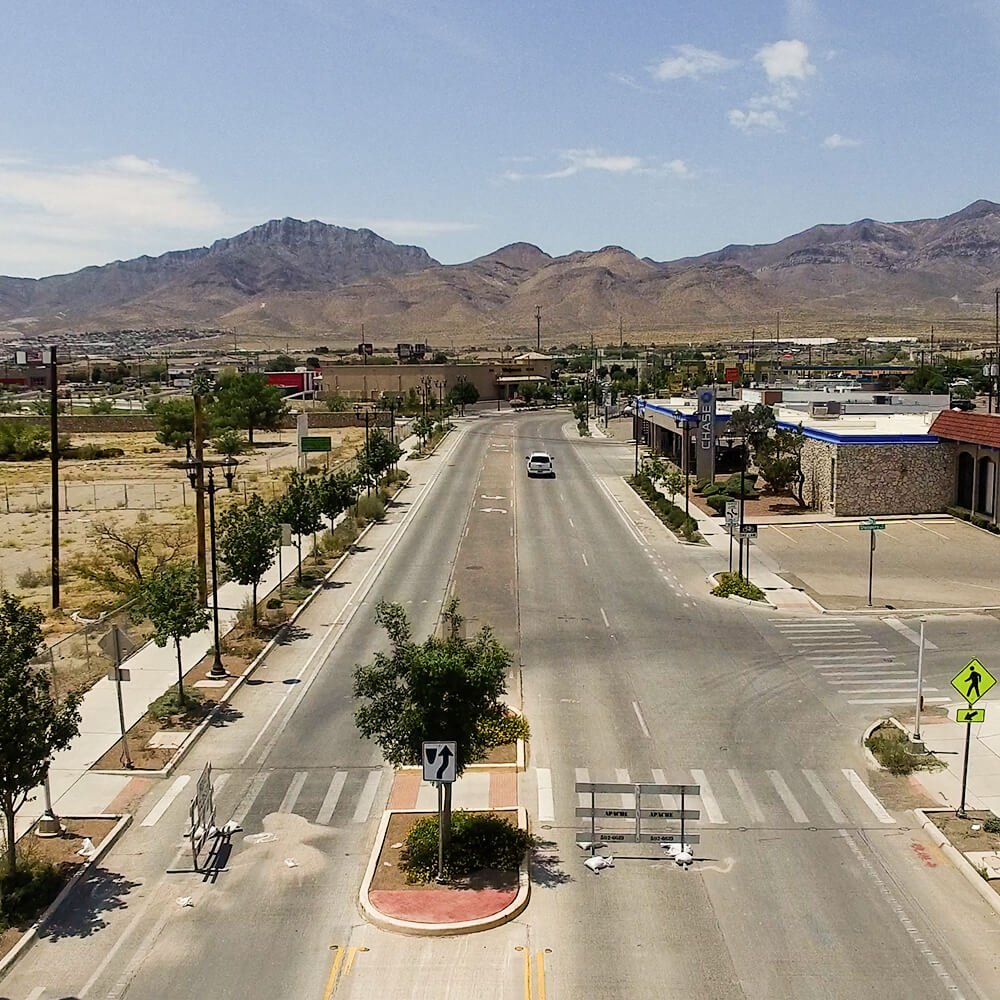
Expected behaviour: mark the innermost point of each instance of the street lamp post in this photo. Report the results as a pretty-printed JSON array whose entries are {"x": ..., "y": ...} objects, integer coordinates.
[
  {"x": 440, "y": 383},
  {"x": 685, "y": 461},
  {"x": 193, "y": 467},
  {"x": 358, "y": 411}
]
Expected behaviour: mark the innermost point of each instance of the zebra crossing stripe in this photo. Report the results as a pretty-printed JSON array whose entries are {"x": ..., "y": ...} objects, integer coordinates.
[
  {"x": 660, "y": 778},
  {"x": 219, "y": 782},
  {"x": 546, "y": 804},
  {"x": 746, "y": 796},
  {"x": 791, "y": 803},
  {"x": 836, "y": 813},
  {"x": 246, "y": 803},
  {"x": 582, "y": 776},
  {"x": 866, "y": 795},
  {"x": 708, "y": 799},
  {"x": 367, "y": 798},
  {"x": 325, "y": 813},
  {"x": 293, "y": 792},
  {"x": 628, "y": 798}
]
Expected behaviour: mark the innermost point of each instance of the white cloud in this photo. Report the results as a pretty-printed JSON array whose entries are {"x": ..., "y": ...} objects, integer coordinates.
[
  {"x": 753, "y": 121},
  {"x": 838, "y": 141},
  {"x": 412, "y": 229},
  {"x": 578, "y": 161},
  {"x": 56, "y": 218},
  {"x": 786, "y": 60},
  {"x": 691, "y": 61},
  {"x": 679, "y": 169}
]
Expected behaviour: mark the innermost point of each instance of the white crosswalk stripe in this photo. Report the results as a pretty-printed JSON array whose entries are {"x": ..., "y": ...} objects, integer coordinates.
[
  {"x": 331, "y": 798},
  {"x": 738, "y": 799}
]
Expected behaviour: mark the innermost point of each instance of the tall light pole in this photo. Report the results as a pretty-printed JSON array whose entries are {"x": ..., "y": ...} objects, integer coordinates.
[
  {"x": 195, "y": 472},
  {"x": 538, "y": 328},
  {"x": 358, "y": 411},
  {"x": 54, "y": 453}
]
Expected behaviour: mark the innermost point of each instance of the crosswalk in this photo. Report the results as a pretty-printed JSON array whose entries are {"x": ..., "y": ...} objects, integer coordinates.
[
  {"x": 729, "y": 798},
  {"x": 853, "y": 663},
  {"x": 326, "y": 796}
]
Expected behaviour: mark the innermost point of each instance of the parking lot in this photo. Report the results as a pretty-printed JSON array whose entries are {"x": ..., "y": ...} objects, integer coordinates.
[{"x": 919, "y": 563}]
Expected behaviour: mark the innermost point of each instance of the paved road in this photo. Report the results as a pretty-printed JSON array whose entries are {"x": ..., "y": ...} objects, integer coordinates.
[{"x": 808, "y": 886}]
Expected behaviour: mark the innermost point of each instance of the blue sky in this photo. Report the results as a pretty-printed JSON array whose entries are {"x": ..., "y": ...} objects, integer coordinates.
[{"x": 668, "y": 128}]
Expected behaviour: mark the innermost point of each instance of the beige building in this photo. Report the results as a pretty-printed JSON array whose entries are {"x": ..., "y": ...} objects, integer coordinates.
[{"x": 494, "y": 379}]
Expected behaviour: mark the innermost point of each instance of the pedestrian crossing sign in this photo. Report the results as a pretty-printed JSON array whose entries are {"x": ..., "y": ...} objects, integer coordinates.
[
  {"x": 970, "y": 715},
  {"x": 973, "y": 681}
]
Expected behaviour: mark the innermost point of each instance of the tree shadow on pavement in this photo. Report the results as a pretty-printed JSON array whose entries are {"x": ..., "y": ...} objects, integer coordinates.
[
  {"x": 546, "y": 866},
  {"x": 98, "y": 892},
  {"x": 225, "y": 715},
  {"x": 290, "y": 634}
]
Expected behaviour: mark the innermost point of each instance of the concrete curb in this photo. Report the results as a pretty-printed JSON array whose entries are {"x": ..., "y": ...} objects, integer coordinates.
[
  {"x": 713, "y": 580},
  {"x": 168, "y": 769},
  {"x": 956, "y": 857},
  {"x": 877, "y": 724},
  {"x": 379, "y": 919},
  {"x": 105, "y": 845}
]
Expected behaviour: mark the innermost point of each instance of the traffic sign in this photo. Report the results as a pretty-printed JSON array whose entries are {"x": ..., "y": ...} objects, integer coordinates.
[
  {"x": 125, "y": 644},
  {"x": 312, "y": 444},
  {"x": 871, "y": 525},
  {"x": 970, "y": 715},
  {"x": 973, "y": 681},
  {"x": 747, "y": 531},
  {"x": 439, "y": 759}
]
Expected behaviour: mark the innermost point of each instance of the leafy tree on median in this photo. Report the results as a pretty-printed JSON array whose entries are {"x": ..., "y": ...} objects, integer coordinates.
[
  {"x": 169, "y": 599},
  {"x": 336, "y": 491},
  {"x": 463, "y": 394},
  {"x": 300, "y": 507},
  {"x": 174, "y": 420},
  {"x": 444, "y": 688},
  {"x": 249, "y": 537},
  {"x": 248, "y": 402},
  {"x": 33, "y": 723},
  {"x": 375, "y": 460}
]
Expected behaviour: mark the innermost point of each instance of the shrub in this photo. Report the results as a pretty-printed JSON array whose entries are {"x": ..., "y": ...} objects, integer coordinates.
[
  {"x": 273, "y": 603},
  {"x": 33, "y": 886},
  {"x": 713, "y": 489},
  {"x": 980, "y": 521},
  {"x": 718, "y": 502},
  {"x": 991, "y": 824},
  {"x": 959, "y": 512},
  {"x": 731, "y": 584},
  {"x": 168, "y": 708},
  {"x": 29, "y": 578},
  {"x": 371, "y": 509},
  {"x": 891, "y": 748},
  {"x": 505, "y": 729},
  {"x": 478, "y": 841}
]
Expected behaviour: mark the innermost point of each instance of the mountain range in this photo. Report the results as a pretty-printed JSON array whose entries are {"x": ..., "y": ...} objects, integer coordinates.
[{"x": 291, "y": 278}]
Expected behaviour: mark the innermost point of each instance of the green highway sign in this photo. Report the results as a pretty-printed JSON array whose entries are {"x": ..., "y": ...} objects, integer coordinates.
[
  {"x": 972, "y": 682},
  {"x": 871, "y": 525},
  {"x": 970, "y": 715},
  {"x": 307, "y": 444}
]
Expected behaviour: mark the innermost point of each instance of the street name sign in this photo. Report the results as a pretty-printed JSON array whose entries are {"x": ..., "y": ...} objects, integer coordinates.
[
  {"x": 439, "y": 760},
  {"x": 970, "y": 715},
  {"x": 973, "y": 681},
  {"x": 871, "y": 525}
]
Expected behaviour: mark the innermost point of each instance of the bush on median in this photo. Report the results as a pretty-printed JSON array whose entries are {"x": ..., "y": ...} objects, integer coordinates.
[
  {"x": 732, "y": 584},
  {"x": 890, "y": 746}
]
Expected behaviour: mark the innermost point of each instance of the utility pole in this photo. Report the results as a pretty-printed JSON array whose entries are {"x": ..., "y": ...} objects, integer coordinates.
[
  {"x": 199, "y": 494},
  {"x": 54, "y": 452},
  {"x": 538, "y": 328},
  {"x": 777, "y": 329},
  {"x": 621, "y": 337},
  {"x": 995, "y": 372}
]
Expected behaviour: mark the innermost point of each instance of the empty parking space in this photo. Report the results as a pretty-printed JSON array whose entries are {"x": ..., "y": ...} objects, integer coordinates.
[{"x": 919, "y": 563}]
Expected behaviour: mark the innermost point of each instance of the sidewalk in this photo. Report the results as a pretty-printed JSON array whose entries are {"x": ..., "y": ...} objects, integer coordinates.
[{"x": 78, "y": 791}]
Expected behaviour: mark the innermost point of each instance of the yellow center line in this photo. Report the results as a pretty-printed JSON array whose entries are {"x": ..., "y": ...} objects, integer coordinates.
[
  {"x": 331, "y": 983},
  {"x": 527, "y": 971},
  {"x": 540, "y": 960},
  {"x": 352, "y": 953}
]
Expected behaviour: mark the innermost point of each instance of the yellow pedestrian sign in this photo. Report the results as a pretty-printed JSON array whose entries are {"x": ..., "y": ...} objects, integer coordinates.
[
  {"x": 970, "y": 715},
  {"x": 973, "y": 681}
]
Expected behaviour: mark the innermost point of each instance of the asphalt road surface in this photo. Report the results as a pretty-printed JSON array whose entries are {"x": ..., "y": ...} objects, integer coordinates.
[{"x": 806, "y": 884}]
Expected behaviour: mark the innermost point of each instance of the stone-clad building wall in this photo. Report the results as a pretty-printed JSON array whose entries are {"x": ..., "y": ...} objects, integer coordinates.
[
  {"x": 894, "y": 479},
  {"x": 817, "y": 489}
]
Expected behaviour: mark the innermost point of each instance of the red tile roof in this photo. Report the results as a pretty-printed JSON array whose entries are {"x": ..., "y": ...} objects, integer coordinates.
[{"x": 969, "y": 428}]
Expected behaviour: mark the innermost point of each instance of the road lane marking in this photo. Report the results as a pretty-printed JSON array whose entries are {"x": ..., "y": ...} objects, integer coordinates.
[
  {"x": 156, "y": 813},
  {"x": 642, "y": 721},
  {"x": 367, "y": 798},
  {"x": 620, "y": 511},
  {"x": 607, "y": 624},
  {"x": 628, "y": 798},
  {"x": 220, "y": 782},
  {"x": 546, "y": 803},
  {"x": 866, "y": 795},
  {"x": 660, "y": 777},
  {"x": 834, "y": 811},
  {"x": 787, "y": 796},
  {"x": 746, "y": 796},
  {"x": 908, "y": 633},
  {"x": 331, "y": 982},
  {"x": 293, "y": 792},
  {"x": 583, "y": 556},
  {"x": 839, "y": 645},
  {"x": 839, "y": 538},
  {"x": 783, "y": 534},
  {"x": 826, "y": 672},
  {"x": 246, "y": 803},
  {"x": 931, "y": 530},
  {"x": 708, "y": 799},
  {"x": 332, "y": 797},
  {"x": 36, "y": 993}
]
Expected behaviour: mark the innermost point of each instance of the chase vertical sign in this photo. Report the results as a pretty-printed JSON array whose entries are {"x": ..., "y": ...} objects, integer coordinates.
[{"x": 705, "y": 448}]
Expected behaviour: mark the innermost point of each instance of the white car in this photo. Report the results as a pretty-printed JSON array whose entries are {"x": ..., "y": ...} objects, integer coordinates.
[{"x": 540, "y": 464}]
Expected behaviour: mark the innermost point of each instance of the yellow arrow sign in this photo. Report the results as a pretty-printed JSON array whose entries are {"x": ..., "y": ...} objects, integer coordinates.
[
  {"x": 970, "y": 715},
  {"x": 973, "y": 681}
]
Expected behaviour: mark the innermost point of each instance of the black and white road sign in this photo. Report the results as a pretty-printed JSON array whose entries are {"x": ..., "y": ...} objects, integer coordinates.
[{"x": 439, "y": 760}]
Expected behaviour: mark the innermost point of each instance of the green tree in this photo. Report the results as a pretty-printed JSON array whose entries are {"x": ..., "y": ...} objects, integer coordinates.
[
  {"x": 281, "y": 363},
  {"x": 377, "y": 457},
  {"x": 423, "y": 427},
  {"x": 33, "y": 723},
  {"x": 300, "y": 507},
  {"x": 752, "y": 425},
  {"x": 779, "y": 459},
  {"x": 102, "y": 407},
  {"x": 247, "y": 401},
  {"x": 463, "y": 394},
  {"x": 174, "y": 420},
  {"x": 229, "y": 442},
  {"x": 336, "y": 491},
  {"x": 336, "y": 403},
  {"x": 926, "y": 380},
  {"x": 249, "y": 537},
  {"x": 169, "y": 599},
  {"x": 526, "y": 390},
  {"x": 444, "y": 688}
]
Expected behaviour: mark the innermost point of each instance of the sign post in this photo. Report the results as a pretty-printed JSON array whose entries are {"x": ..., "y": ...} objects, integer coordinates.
[
  {"x": 118, "y": 644},
  {"x": 871, "y": 526},
  {"x": 732, "y": 519},
  {"x": 440, "y": 763},
  {"x": 971, "y": 682},
  {"x": 748, "y": 533}
]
